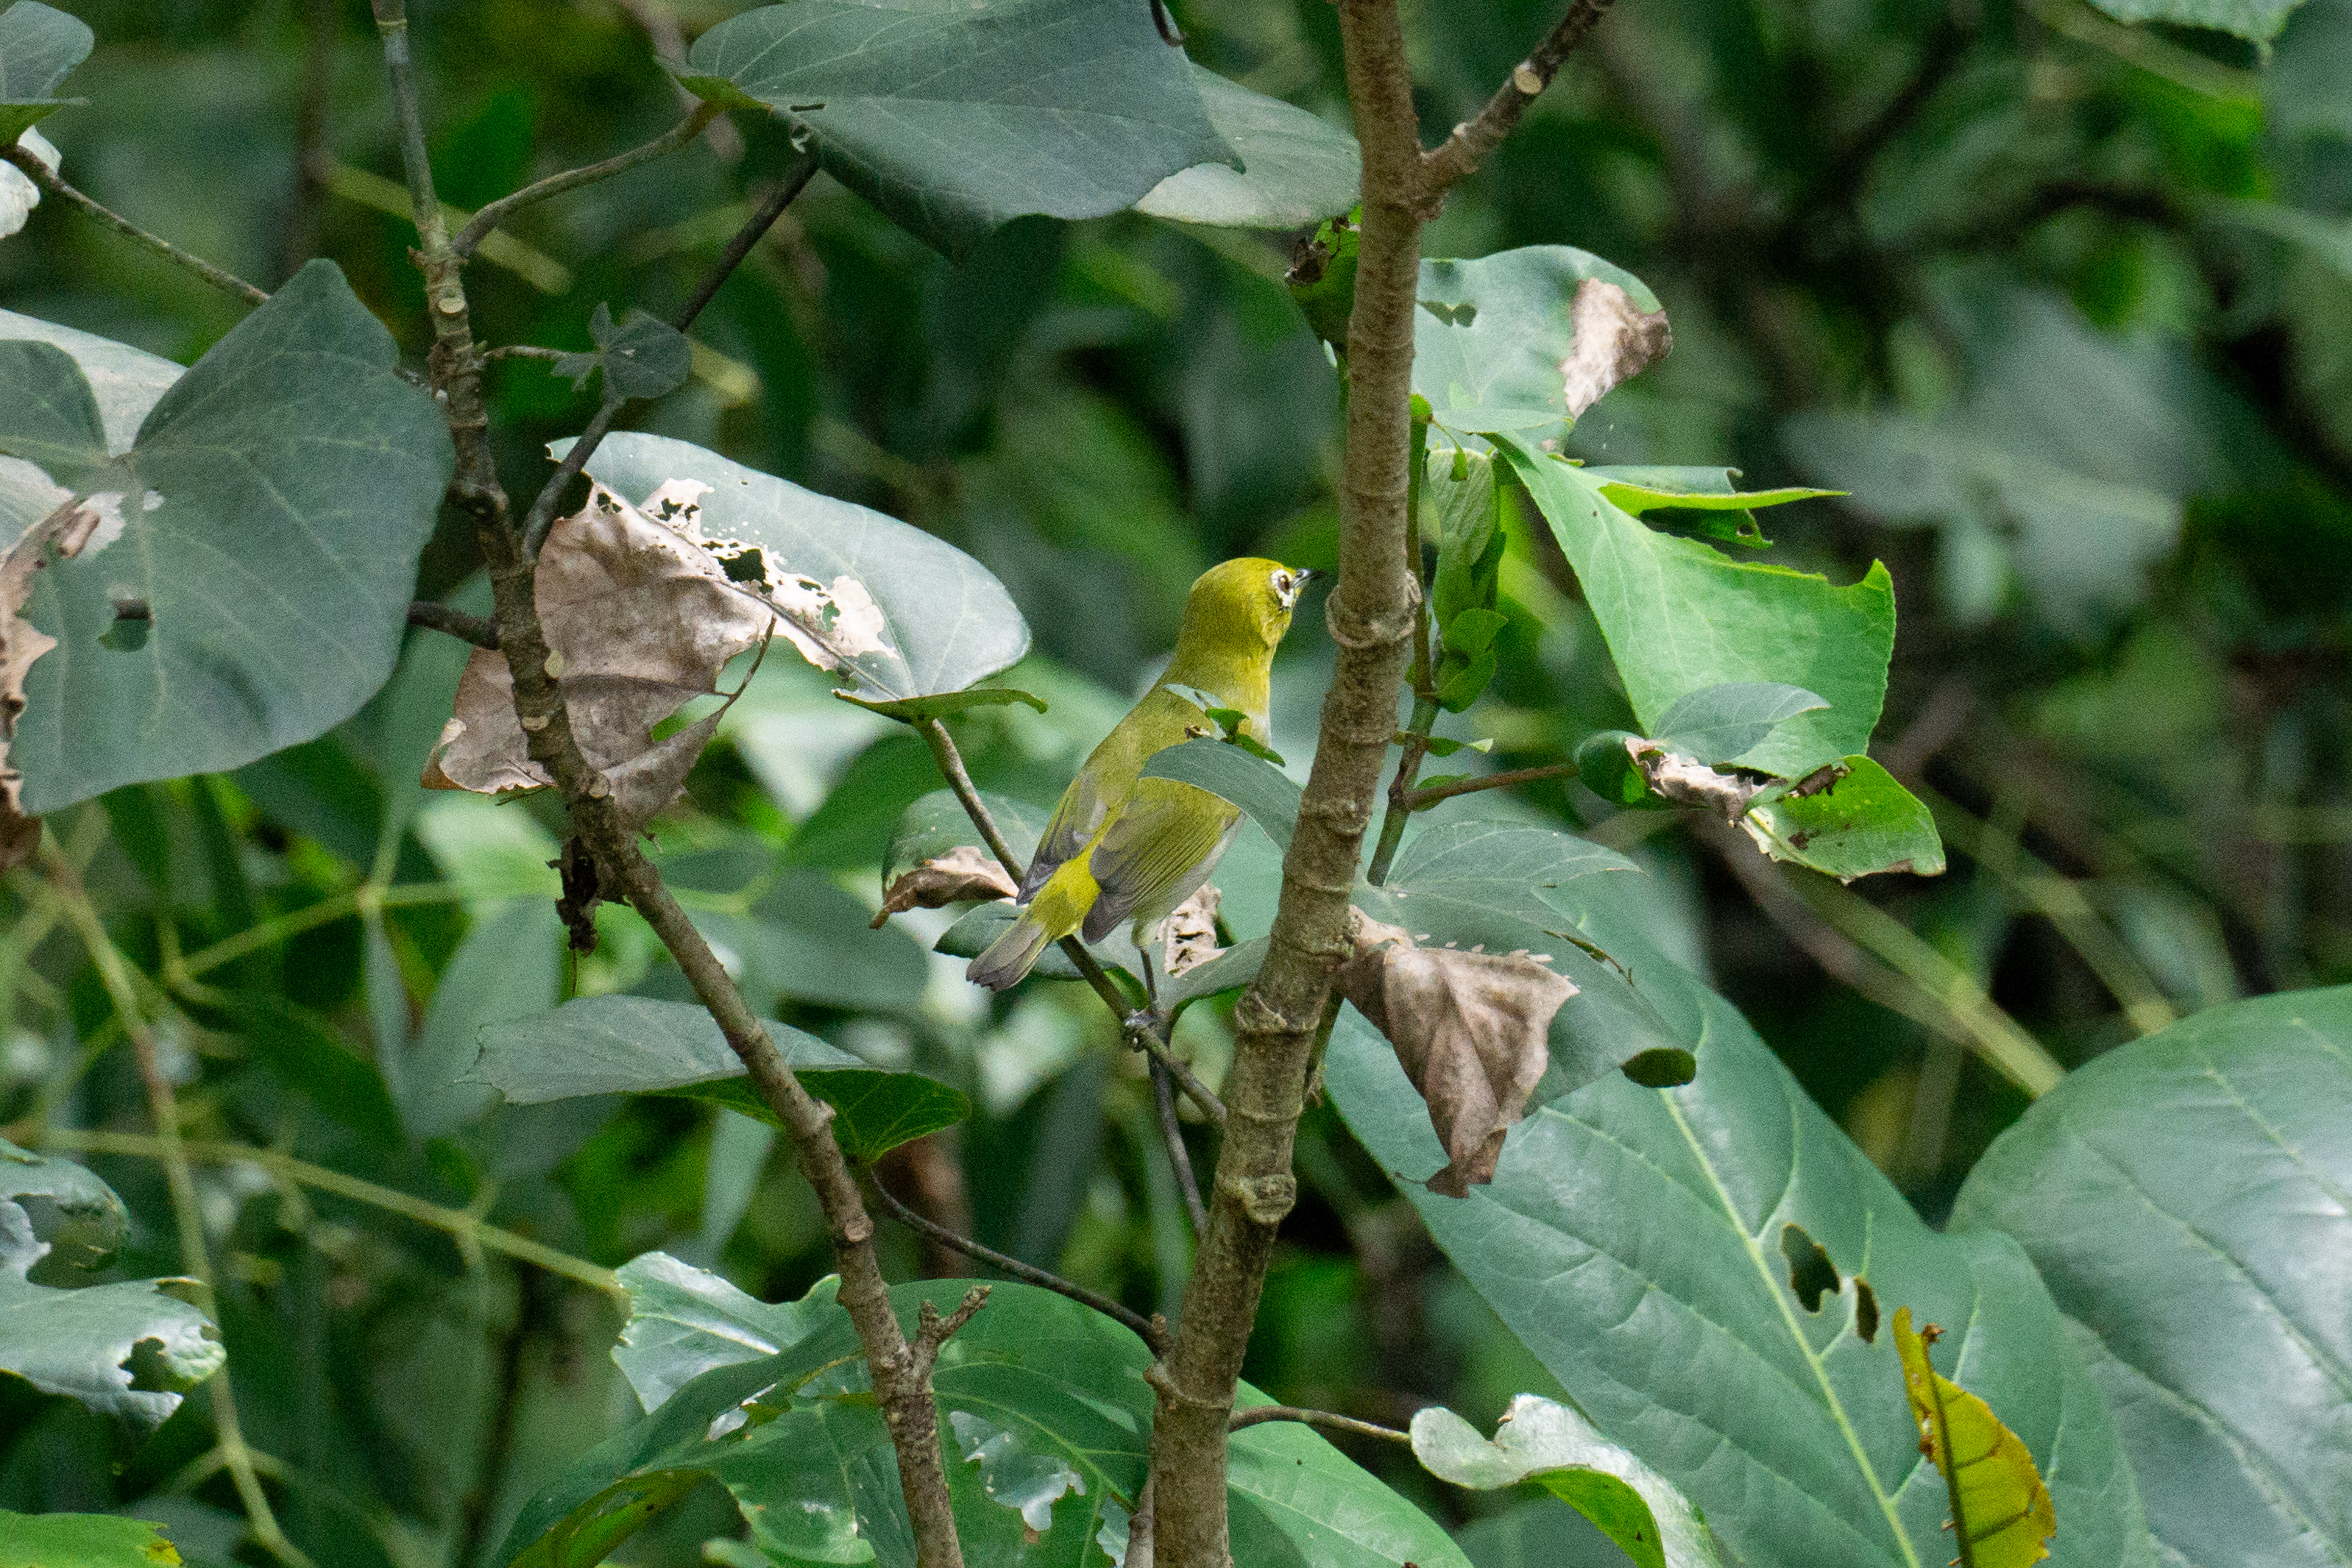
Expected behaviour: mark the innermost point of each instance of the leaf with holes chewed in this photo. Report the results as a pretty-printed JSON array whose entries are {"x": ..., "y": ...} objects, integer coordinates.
[
  {"x": 1024, "y": 1479},
  {"x": 1470, "y": 1030},
  {"x": 1552, "y": 1445},
  {"x": 640, "y": 617},
  {"x": 2001, "y": 1513},
  {"x": 124, "y": 1349},
  {"x": 1634, "y": 1240}
]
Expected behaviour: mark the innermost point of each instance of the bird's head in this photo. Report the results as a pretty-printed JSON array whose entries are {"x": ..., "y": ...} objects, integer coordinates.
[{"x": 1244, "y": 603}]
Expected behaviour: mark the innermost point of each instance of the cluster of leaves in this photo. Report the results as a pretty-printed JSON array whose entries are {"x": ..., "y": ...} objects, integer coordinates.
[{"x": 1689, "y": 1250}]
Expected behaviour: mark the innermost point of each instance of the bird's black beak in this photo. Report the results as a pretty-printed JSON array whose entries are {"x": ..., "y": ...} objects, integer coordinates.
[{"x": 1307, "y": 577}]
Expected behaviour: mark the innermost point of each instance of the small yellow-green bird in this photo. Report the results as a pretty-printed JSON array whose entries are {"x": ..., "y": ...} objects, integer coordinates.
[{"x": 1121, "y": 847}]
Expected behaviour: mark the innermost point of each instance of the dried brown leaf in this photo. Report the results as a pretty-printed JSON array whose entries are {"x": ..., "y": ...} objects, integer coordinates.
[
  {"x": 1468, "y": 1028},
  {"x": 1189, "y": 935},
  {"x": 1615, "y": 339},
  {"x": 964, "y": 874},
  {"x": 63, "y": 533},
  {"x": 642, "y": 618},
  {"x": 1693, "y": 783}
]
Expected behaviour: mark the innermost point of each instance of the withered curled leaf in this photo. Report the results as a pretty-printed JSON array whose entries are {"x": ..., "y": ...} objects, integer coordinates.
[
  {"x": 1689, "y": 782},
  {"x": 1469, "y": 1030},
  {"x": 1188, "y": 935},
  {"x": 1615, "y": 339},
  {"x": 65, "y": 532},
  {"x": 963, "y": 875},
  {"x": 642, "y": 618}
]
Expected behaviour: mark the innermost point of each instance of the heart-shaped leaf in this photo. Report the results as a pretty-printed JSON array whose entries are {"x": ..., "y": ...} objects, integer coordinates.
[{"x": 276, "y": 501}]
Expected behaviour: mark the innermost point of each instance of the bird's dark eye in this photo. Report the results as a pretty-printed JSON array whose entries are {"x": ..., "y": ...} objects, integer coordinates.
[{"x": 1285, "y": 588}]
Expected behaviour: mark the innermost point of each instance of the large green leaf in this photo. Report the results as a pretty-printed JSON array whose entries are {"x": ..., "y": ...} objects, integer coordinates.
[
  {"x": 82, "y": 1540},
  {"x": 636, "y": 1045},
  {"x": 1044, "y": 1412},
  {"x": 1491, "y": 334},
  {"x": 1297, "y": 168},
  {"x": 954, "y": 116},
  {"x": 294, "y": 480},
  {"x": 125, "y": 1349},
  {"x": 1633, "y": 1240},
  {"x": 951, "y": 623},
  {"x": 1680, "y": 615},
  {"x": 1543, "y": 1533},
  {"x": 39, "y": 45},
  {"x": 2189, "y": 1199}
]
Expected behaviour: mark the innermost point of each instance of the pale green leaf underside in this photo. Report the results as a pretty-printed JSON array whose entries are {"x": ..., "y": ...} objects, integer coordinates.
[
  {"x": 956, "y": 118},
  {"x": 2189, "y": 1199},
  {"x": 951, "y": 621},
  {"x": 2259, "y": 20},
  {"x": 1297, "y": 170},
  {"x": 39, "y": 46},
  {"x": 1632, "y": 1239},
  {"x": 96, "y": 1343}
]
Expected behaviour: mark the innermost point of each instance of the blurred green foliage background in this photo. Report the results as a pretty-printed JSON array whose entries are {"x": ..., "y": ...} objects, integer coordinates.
[{"x": 2067, "y": 308}]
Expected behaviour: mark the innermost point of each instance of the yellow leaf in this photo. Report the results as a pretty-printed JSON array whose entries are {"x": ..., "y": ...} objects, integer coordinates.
[{"x": 2001, "y": 1513}]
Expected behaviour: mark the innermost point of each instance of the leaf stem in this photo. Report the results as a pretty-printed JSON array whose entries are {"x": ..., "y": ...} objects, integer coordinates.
[
  {"x": 48, "y": 180},
  {"x": 1328, "y": 1420},
  {"x": 762, "y": 220},
  {"x": 481, "y": 632},
  {"x": 1152, "y": 1334},
  {"x": 163, "y": 1107},
  {"x": 505, "y": 207},
  {"x": 1422, "y": 799}
]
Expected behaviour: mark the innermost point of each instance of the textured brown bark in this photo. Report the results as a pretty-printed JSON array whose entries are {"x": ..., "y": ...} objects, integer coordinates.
[
  {"x": 900, "y": 1370},
  {"x": 1371, "y": 614}
]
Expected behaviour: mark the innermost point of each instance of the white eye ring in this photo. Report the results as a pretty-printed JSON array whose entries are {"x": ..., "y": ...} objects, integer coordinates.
[{"x": 1285, "y": 588}]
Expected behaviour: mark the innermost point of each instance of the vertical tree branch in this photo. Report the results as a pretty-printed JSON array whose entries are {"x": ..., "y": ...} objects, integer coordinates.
[
  {"x": 1370, "y": 614},
  {"x": 901, "y": 1371}
]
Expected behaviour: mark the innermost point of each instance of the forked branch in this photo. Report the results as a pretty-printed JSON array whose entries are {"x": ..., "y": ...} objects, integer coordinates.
[
  {"x": 901, "y": 1371},
  {"x": 1462, "y": 152}
]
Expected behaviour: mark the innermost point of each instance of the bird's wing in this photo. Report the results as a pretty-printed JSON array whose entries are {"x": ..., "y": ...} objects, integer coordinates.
[
  {"x": 1074, "y": 823},
  {"x": 1105, "y": 781},
  {"x": 1156, "y": 852}
]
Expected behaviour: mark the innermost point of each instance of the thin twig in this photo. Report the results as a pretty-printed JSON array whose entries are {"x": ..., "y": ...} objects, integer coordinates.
[
  {"x": 162, "y": 1106},
  {"x": 1328, "y": 1420},
  {"x": 754, "y": 229},
  {"x": 470, "y": 1230},
  {"x": 41, "y": 175},
  {"x": 313, "y": 162},
  {"x": 478, "y": 630},
  {"x": 541, "y": 519},
  {"x": 1463, "y": 151},
  {"x": 575, "y": 460},
  {"x": 1424, "y": 798},
  {"x": 505, "y": 207},
  {"x": 1172, "y": 1133},
  {"x": 523, "y": 351},
  {"x": 1029, "y": 1274}
]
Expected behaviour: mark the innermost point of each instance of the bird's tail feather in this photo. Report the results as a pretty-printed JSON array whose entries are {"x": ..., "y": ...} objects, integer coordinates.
[{"x": 1011, "y": 955}]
